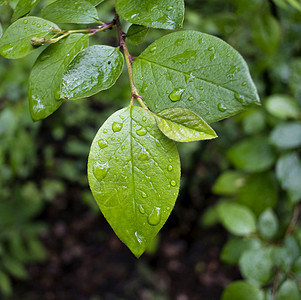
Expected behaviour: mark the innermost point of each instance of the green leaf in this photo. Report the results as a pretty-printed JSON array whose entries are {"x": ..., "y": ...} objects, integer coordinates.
[
  {"x": 196, "y": 71},
  {"x": 23, "y": 7},
  {"x": 236, "y": 218},
  {"x": 234, "y": 248},
  {"x": 14, "y": 267},
  {"x": 136, "y": 34},
  {"x": 92, "y": 70},
  {"x": 95, "y": 2},
  {"x": 66, "y": 11},
  {"x": 288, "y": 171},
  {"x": 253, "y": 154},
  {"x": 268, "y": 224},
  {"x": 183, "y": 125},
  {"x": 1, "y": 30},
  {"x": 134, "y": 175},
  {"x": 250, "y": 196},
  {"x": 288, "y": 290},
  {"x": 282, "y": 107},
  {"x": 286, "y": 136},
  {"x": 15, "y": 42},
  {"x": 5, "y": 284},
  {"x": 47, "y": 72},
  {"x": 167, "y": 14},
  {"x": 242, "y": 290},
  {"x": 253, "y": 120},
  {"x": 266, "y": 32},
  {"x": 228, "y": 183},
  {"x": 256, "y": 265}
]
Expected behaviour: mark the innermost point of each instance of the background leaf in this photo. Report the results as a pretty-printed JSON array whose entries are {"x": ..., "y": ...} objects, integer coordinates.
[
  {"x": 92, "y": 70},
  {"x": 136, "y": 34},
  {"x": 65, "y": 11},
  {"x": 15, "y": 42},
  {"x": 47, "y": 72},
  {"x": 197, "y": 71},
  {"x": 168, "y": 14},
  {"x": 183, "y": 125},
  {"x": 239, "y": 290},
  {"x": 288, "y": 290},
  {"x": 23, "y": 7},
  {"x": 134, "y": 175}
]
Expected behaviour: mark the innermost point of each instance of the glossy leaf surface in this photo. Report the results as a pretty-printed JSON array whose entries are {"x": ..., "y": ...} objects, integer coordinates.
[
  {"x": 95, "y": 2},
  {"x": 288, "y": 290},
  {"x": 197, "y": 71},
  {"x": 65, "y": 11},
  {"x": 94, "y": 69},
  {"x": 1, "y": 30},
  {"x": 15, "y": 42},
  {"x": 168, "y": 14},
  {"x": 183, "y": 125},
  {"x": 237, "y": 218},
  {"x": 239, "y": 290},
  {"x": 134, "y": 175},
  {"x": 268, "y": 224},
  {"x": 47, "y": 72},
  {"x": 136, "y": 34},
  {"x": 23, "y": 7}
]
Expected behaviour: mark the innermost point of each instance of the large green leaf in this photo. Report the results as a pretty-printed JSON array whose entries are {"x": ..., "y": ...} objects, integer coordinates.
[
  {"x": 197, "y": 71},
  {"x": 134, "y": 175},
  {"x": 23, "y": 7},
  {"x": 167, "y": 14},
  {"x": 15, "y": 42},
  {"x": 183, "y": 125},
  {"x": 94, "y": 69},
  {"x": 288, "y": 290},
  {"x": 66, "y": 11},
  {"x": 47, "y": 72}
]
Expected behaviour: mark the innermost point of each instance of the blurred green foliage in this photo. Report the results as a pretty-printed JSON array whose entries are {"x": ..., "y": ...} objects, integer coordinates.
[{"x": 258, "y": 152}]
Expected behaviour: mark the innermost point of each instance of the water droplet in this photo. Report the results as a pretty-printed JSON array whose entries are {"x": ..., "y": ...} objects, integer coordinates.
[
  {"x": 118, "y": 139},
  {"x": 238, "y": 97},
  {"x": 38, "y": 26},
  {"x": 116, "y": 127},
  {"x": 169, "y": 8},
  {"x": 158, "y": 144},
  {"x": 134, "y": 125},
  {"x": 190, "y": 98},
  {"x": 33, "y": 23},
  {"x": 121, "y": 117},
  {"x": 122, "y": 147},
  {"x": 169, "y": 168},
  {"x": 176, "y": 94},
  {"x": 141, "y": 209},
  {"x": 142, "y": 131},
  {"x": 155, "y": 217},
  {"x": 143, "y": 195},
  {"x": 143, "y": 155},
  {"x": 5, "y": 49},
  {"x": 173, "y": 183},
  {"x": 212, "y": 57},
  {"x": 153, "y": 49},
  {"x": 201, "y": 88},
  {"x": 156, "y": 164},
  {"x": 102, "y": 144},
  {"x": 244, "y": 83},
  {"x": 101, "y": 171},
  {"x": 25, "y": 21},
  {"x": 211, "y": 48},
  {"x": 112, "y": 139},
  {"x": 221, "y": 107},
  {"x": 170, "y": 160},
  {"x": 105, "y": 130},
  {"x": 144, "y": 119}
]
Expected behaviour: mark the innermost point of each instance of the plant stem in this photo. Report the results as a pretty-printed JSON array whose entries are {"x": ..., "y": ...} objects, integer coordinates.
[
  {"x": 293, "y": 222},
  {"x": 129, "y": 61}
]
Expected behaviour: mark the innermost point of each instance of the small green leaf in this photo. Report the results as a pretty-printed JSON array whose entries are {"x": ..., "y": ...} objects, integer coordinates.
[
  {"x": 47, "y": 72},
  {"x": 288, "y": 171},
  {"x": 136, "y": 34},
  {"x": 268, "y": 224},
  {"x": 252, "y": 154},
  {"x": 237, "y": 218},
  {"x": 242, "y": 290},
  {"x": 266, "y": 32},
  {"x": 92, "y": 70},
  {"x": 228, "y": 183},
  {"x": 23, "y": 7},
  {"x": 288, "y": 290},
  {"x": 167, "y": 14},
  {"x": 256, "y": 265},
  {"x": 5, "y": 284},
  {"x": 66, "y": 11},
  {"x": 253, "y": 120},
  {"x": 282, "y": 107},
  {"x": 134, "y": 175},
  {"x": 196, "y": 71},
  {"x": 258, "y": 202},
  {"x": 286, "y": 136},
  {"x": 15, "y": 42},
  {"x": 183, "y": 125},
  {"x": 14, "y": 267}
]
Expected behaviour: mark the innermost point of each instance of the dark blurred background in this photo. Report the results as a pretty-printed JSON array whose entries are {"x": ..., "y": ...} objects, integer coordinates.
[{"x": 54, "y": 242}]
